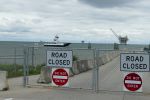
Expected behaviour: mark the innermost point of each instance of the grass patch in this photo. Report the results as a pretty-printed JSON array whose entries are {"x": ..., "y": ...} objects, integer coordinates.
[
  {"x": 17, "y": 70},
  {"x": 35, "y": 70}
]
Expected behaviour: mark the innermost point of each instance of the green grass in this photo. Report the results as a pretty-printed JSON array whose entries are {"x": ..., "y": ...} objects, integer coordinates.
[
  {"x": 17, "y": 70},
  {"x": 35, "y": 70}
]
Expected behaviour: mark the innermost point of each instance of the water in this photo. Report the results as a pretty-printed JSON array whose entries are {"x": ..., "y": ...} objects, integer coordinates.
[{"x": 37, "y": 53}]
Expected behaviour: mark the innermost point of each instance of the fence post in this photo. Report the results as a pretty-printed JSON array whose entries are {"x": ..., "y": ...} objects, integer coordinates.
[
  {"x": 96, "y": 72},
  {"x": 15, "y": 65},
  {"x": 93, "y": 73},
  {"x": 25, "y": 67},
  {"x": 33, "y": 56}
]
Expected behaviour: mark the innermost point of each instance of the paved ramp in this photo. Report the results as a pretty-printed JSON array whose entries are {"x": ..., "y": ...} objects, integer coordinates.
[{"x": 110, "y": 77}]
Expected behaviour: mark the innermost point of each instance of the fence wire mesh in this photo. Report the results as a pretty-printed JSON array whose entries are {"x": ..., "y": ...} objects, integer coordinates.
[
  {"x": 12, "y": 60},
  {"x": 80, "y": 73},
  {"x": 92, "y": 68}
]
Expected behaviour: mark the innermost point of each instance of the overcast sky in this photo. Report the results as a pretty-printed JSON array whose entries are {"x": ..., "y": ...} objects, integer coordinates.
[{"x": 75, "y": 20}]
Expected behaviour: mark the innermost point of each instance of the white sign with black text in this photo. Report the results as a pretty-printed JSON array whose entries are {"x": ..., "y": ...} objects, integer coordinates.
[
  {"x": 135, "y": 62},
  {"x": 59, "y": 58}
]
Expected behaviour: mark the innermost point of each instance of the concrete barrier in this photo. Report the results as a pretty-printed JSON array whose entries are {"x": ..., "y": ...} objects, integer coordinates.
[
  {"x": 104, "y": 59},
  {"x": 45, "y": 75},
  {"x": 100, "y": 61},
  {"x": 75, "y": 69},
  {"x": 82, "y": 65},
  {"x": 3, "y": 81},
  {"x": 71, "y": 73},
  {"x": 90, "y": 64}
]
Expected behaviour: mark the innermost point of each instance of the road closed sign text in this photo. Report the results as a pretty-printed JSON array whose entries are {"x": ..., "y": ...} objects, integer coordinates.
[
  {"x": 59, "y": 58},
  {"x": 134, "y": 62}
]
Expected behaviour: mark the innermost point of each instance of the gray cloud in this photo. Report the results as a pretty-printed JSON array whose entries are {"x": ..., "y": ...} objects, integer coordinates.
[
  {"x": 15, "y": 28},
  {"x": 11, "y": 24},
  {"x": 107, "y": 3}
]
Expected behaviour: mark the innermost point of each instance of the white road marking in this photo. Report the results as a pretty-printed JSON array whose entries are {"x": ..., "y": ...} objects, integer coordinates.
[{"x": 9, "y": 99}]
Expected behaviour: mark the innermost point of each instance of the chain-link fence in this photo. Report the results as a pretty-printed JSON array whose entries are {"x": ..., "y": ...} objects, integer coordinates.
[
  {"x": 80, "y": 74},
  {"x": 84, "y": 73},
  {"x": 92, "y": 68},
  {"x": 12, "y": 60}
]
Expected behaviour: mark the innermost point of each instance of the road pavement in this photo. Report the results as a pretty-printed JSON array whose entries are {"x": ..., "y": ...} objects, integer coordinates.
[{"x": 110, "y": 87}]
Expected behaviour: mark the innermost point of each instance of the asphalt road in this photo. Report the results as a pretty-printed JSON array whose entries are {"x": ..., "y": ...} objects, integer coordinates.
[{"x": 110, "y": 87}]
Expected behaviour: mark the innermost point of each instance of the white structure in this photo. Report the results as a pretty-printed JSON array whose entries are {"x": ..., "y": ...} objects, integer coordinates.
[
  {"x": 56, "y": 39},
  {"x": 122, "y": 40},
  {"x": 3, "y": 81}
]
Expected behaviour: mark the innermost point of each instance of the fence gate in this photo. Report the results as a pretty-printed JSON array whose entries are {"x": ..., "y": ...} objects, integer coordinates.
[{"x": 80, "y": 73}]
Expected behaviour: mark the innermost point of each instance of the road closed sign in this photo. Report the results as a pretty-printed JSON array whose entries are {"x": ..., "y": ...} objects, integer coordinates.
[
  {"x": 133, "y": 82},
  {"x": 59, "y": 58},
  {"x": 134, "y": 62},
  {"x": 60, "y": 77}
]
